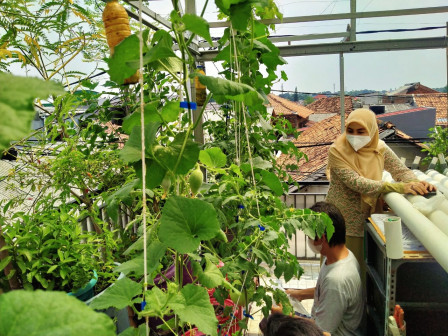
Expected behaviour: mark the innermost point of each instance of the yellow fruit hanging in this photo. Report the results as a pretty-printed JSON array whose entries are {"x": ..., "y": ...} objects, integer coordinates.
[{"x": 116, "y": 23}]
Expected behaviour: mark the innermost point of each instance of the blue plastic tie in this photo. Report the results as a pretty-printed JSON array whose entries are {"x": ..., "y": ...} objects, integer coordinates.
[
  {"x": 237, "y": 219},
  {"x": 142, "y": 305},
  {"x": 240, "y": 206},
  {"x": 190, "y": 105},
  {"x": 262, "y": 228},
  {"x": 247, "y": 315}
]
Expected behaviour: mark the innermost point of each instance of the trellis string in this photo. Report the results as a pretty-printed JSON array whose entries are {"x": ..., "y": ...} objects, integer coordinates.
[{"x": 142, "y": 129}]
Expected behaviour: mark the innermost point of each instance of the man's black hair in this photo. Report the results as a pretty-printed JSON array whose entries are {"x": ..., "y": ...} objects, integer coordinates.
[
  {"x": 336, "y": 217},
  {"x": 285, "y": 325}
]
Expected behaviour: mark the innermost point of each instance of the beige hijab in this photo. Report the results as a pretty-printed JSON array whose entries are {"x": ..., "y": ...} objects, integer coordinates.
[{"x": 368, "y": 161}]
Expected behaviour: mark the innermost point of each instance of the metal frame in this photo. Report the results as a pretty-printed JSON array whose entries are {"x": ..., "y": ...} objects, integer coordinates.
[
  {"x": 347, "y": 45},
  {"x": 386, "y": 283}
]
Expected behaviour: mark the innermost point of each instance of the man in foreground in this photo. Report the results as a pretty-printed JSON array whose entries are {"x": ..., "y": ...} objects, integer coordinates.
[{"x": 338, "y": 298}]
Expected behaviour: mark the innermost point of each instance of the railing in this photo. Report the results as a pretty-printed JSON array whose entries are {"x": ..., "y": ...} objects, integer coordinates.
[
  {"x": 124, "y": 218},
  {"x": 298, "y": 244}
]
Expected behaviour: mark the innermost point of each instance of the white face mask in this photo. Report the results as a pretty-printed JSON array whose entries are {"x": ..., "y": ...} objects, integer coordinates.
[
  {"x": 315, "y": 248},
  {"x": 358, "y": 141}
]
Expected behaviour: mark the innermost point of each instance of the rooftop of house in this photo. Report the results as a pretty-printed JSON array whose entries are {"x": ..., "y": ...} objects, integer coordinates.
[
  {"x": 436, "y": 100},
  {"x": 320, "y": 96},
  {"x": 411, "y": 88},
  {"x": 286, "y": 107},
  {"x": 331, "y": 105},
  {"x": 315, "y": 141}
]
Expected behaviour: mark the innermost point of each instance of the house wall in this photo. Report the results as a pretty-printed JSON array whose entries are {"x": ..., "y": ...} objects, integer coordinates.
[
  {"x": 316, "y": 117},
  {"x": 415, "y": 124},
  {"x": 409, "y": 152},
  {"x": 373, "y": 99}
]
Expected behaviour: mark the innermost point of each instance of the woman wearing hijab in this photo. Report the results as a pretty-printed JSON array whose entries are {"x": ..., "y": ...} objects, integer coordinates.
[{"x": 355, "y": 167}]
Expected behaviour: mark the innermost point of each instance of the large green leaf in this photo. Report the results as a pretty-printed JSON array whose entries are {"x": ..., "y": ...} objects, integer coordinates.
[
  {"x": 211, "y": 277},
  {"x": 224, "y": 54},
  {"x": 124, "y": 194},
  {"x": 196, "y": 309},
  {"x": 171, "y": 110},
  {"x": 135, "y": 118},
  {"x": 257, "y": 163},
  {"x": 16, "y": 104},
  {"x": 156, "y": 250},
  {"x": 131, "y": 331},
  {"x": 154, "y": 173},
  {"x": 120, "y": 64},
  {"x": 172, "y": 64},
  {"x": 157, "y": 303},
  {"x": 272, "y": 181},
  {"x": 197, "y": 25},
  {"x": 118, "y": 295},
  {"x": 213, "y": 157},
  {"x": 224, "y": 5},
  {"x": 185, "y": 222},
  {"x": 224, "y": 89},
  {"x": 179, "y": 156},
  {"x": 132, "y": 150},
  {"x": 240, "y": 15},
  {"x": 50, "y": 314},
  {"x": 168, "y": 113},
  {"x": 161, "y": 48}
]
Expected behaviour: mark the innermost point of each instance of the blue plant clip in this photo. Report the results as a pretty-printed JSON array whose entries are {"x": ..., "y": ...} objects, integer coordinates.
[
  {"x": 262, "y": 228},
  {"x": 190, "y": 105},
  {"x": 237, "y": 219},
  {"x": 240, "y": 206},
  {"x": 247, "y": 315},
  {"x": 142, "y": 305}
]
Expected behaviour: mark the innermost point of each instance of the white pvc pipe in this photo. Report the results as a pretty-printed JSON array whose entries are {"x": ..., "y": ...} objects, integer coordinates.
[
  {"x": 440, "y": 219},
  {"x": 415, "y": 198},
  {"x": 442, "y": 179},
  {"x": 434, "y": 240}
]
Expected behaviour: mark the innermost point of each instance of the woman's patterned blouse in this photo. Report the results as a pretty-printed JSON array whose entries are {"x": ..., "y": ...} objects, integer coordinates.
[{"x": 346, "y": 187}]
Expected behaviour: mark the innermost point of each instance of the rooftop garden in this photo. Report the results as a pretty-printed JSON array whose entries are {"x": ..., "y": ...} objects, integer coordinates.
[{"x": 118, "y": 188}]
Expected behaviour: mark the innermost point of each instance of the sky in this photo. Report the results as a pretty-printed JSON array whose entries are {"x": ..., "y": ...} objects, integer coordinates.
[{"x": 373, "y": 70}]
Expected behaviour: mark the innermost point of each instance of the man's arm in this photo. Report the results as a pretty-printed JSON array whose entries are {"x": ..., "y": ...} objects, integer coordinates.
[{"x": 301, "y": 294}]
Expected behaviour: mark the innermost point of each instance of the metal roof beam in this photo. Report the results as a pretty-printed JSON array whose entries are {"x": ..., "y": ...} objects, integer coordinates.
[
  {"x": 350, "y": 47},
  {"x": 153, "y": 15},
  {"x": 343, "y": 16}
]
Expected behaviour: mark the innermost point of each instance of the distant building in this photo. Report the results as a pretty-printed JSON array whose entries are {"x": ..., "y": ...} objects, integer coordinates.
[
  {"x": 327, "y": 107},
  {"x": 319, "y": 96},
  {"x": 415, "y": 122},
  {"x": 437, "y": 101},
  {"x": 403, "y": 94},
  {"x": 296, "y": 114}
]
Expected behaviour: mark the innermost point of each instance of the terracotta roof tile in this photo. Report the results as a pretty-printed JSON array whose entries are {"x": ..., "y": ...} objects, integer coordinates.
[
  {"x": 436, "y": 100},
  {"x": 314, "y": 143},
  {"x": 285, "y": 107},
  {"x": 331, "y": 105},
  {"x": 114, "y": 129}
]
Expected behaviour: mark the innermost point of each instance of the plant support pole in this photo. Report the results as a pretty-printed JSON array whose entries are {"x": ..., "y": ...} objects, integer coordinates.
[{"x": 342, "y": 92}]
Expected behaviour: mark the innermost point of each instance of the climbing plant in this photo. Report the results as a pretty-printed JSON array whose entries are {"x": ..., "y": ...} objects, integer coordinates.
[{"x": 209, "y": 216}]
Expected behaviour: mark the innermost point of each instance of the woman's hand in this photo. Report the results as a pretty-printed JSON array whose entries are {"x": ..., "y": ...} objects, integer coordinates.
[{"x": 418, "y": 188}]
